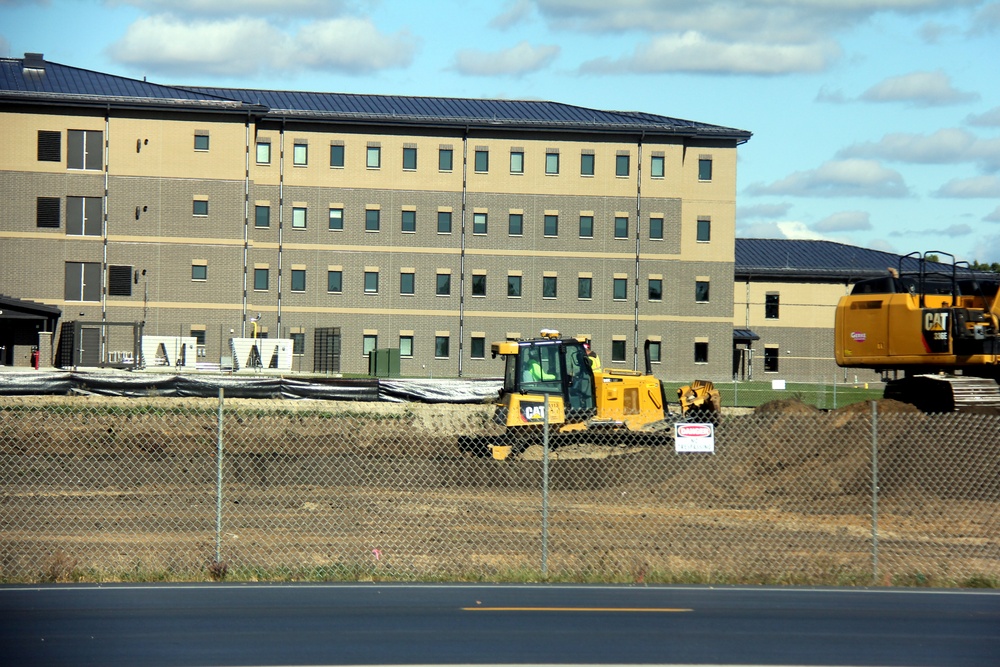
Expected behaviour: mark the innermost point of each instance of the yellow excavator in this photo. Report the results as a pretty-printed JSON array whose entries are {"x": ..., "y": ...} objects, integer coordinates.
[
  {"x": 933, "y": 332},
  {"x": 581, "y": 398}
]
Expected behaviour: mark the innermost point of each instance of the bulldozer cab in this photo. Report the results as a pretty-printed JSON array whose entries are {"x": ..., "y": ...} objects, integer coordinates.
[{"x": 551, "y": 365}]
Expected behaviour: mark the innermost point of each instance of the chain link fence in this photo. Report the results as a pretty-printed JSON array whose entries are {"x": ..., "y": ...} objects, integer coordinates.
[{"x": 180, "y": 489}]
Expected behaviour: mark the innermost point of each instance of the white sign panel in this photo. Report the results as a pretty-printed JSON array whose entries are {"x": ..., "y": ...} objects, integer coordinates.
[
  {"x": 694, "y": 438},
  {"x": 778, "y": 385}
]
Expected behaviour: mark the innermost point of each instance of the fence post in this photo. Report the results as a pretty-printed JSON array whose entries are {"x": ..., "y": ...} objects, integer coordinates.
[
  {"x": 874, "y": 492},
  {"x": 834, "y": 391},
  {"x": 545, "y": 490},
  {"x": 218, "y": 485}
]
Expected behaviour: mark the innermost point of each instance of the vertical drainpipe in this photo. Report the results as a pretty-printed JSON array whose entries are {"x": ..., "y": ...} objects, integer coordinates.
[
  {"x": 104, "y": 234},
  {"x": 281, "y": 218},
  {"x": 246, "y": 225},
  {"x": 638, "y": 229},
  {"x": 461, "y": 256}
]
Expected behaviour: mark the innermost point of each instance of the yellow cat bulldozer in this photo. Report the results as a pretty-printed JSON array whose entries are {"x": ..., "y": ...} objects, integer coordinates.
[
  {"x": 581, "y": 398},
  {"x": 933, "y": 332}
]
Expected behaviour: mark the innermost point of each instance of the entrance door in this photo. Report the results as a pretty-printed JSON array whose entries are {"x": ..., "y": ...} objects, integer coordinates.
[{"x": 90, "y": 347}]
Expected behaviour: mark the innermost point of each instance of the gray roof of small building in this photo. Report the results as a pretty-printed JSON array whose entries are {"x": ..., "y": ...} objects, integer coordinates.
[
  {"x": 792, "y": 259},
  {"x": 33, "y": 79}
]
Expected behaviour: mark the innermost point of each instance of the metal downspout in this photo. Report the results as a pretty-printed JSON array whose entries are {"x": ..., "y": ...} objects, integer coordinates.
[
  {"x": 281, "y": 219},
  {"x": 638, "y": 231},
  {"x": 461, "y": 256},
  {"x": 246, "y": 227},
  {"x": 104, "y": 235}
]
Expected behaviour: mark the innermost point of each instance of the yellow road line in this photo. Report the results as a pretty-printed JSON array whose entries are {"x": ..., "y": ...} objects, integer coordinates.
[{"x": 590, "y": 609}]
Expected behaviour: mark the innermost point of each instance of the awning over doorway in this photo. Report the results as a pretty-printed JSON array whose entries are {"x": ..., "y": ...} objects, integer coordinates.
[{"x": 744, "y": 336}]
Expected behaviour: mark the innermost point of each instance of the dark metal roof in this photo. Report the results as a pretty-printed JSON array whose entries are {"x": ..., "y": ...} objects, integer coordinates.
[
  {"x": 793, "y": 258},
  {"x": 11, "y": 307},
  {"x": 744, "y": 336},
  {"x": 36, "y": 80},
  {"x": 51, "y": 82}
]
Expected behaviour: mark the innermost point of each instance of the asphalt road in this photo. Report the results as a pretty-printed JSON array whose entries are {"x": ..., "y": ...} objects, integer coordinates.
[{"x": 365, "y": 624}]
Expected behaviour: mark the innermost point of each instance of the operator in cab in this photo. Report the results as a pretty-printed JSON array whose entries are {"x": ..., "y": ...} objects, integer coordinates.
[{"x": 595, "y": 361}]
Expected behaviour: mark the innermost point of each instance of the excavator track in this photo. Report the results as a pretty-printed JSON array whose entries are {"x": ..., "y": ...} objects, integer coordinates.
[{"x": 947, "y": 393}]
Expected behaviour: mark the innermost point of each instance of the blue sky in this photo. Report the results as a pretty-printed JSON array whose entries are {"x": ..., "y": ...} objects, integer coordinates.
[{"x": 876, "y": 122}]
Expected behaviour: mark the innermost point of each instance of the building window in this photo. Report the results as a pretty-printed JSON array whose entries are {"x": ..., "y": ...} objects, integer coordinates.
[
  {"x": 262, "y": 216},
  {"x": 50, "y": 146},
  {"x": 299, "y": 220},
  {"x": 655, "y": 352},
  {"x": 621, "y": 227},
  {"x": 119, "y": 281},
  {"x": 549, "y": 287},
  {"x": 263, "y": 152},
  {"x": 200, "y": 208},
  {"x": 298, "y": 280},
  {"x": 83, "y": 281},
  {"x": 517, "y": 162},
  {"x": 771, "y": 303},
  {"x": 84, "y": 149},
  {"x": 298, "y": 342},
  {"x": 406, "y": 347},
  {"x": 704, "y": 230},
  {"x": 701, "y": 353},
  {"x": 656, "y": 229},
  {"x": 479, "y": 284},
  {"x": 444, "y": 222},
  {"x": 584, "y": 288},
  {"x": 622, "y": 165},
  {"x": 477, "y": 348},
  {"x": 482, "y": 160},
  {"x": 515, "y": 224},
  {"x": 705, "y": 169},
  {"x": 337, "y": 219},
  {"x": 408, "y": 223},
  {"x": 47, "y": 212},
  {"x": 479, "y": 223},
  {"x": 701, "y": 291},
  {"x": 586, "y": 226},
  {"x": 337, "y": 155},
  {"x": 84, "y": 216},
  {"x": 514, "y": 286},
  {"x": 443, "y": 286},
  {"x": 442, "y": 346},
  {"x": 656, "y": 289},
  {"x": 372, "y": 219},
  {"x": 550, "y": 225},
  {"x": 445, "y": 159},
  {"x": 587, "y": 164},
  {"x": 369, "y": 343},
  {"x": 373, "y": 158},
  {"x": 618, "y": 350},
  {"x": 771, "y": 359},
  {"x": 407, "y": 282},
  {"x": 261, "y": 278},
  {"x": 656, "y": 164},
  {"x": 552, "y": 163},
  {"x": 371, "y": 282},
  {"x": 300, "y": 154},
  {"x": 620, "y": 289},
  {"x": 199, "y": 272},
  {"x": 335, "y": 281},
  {"x": 201, "y": 142},
  {"x": 409, "y": 158}
]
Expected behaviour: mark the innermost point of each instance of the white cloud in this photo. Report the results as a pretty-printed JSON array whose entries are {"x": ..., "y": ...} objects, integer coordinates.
[
  {"x": 246, "y": 46},
  {"x": 695, "y": 52},
  {"x": 994, "y": 216},
  {"x": 990, "y": 118},
  {"x": 970, "y": 188},
  {"x": 788, "y": 229},
  {"x": 515, "y": 61},
  {"x": 922, "y": 89},
  {"x": 838, "y": 178},
  {"x": 844, "y": 221},
  {"x": 987, "y": 19},
  {"x": 946, "y": 146},
  {"x": 233, "y": 8},
  {"x": 514, "y": 13}
]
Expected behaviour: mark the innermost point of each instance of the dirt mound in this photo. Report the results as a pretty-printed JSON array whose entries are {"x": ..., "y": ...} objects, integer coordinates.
[
  {"x": 885, "y": 406},
  {"x": 786, "y": 406}
]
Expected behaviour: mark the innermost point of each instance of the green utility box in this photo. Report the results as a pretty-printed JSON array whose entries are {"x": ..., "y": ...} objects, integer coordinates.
[{"x": 384, "y": 363}]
